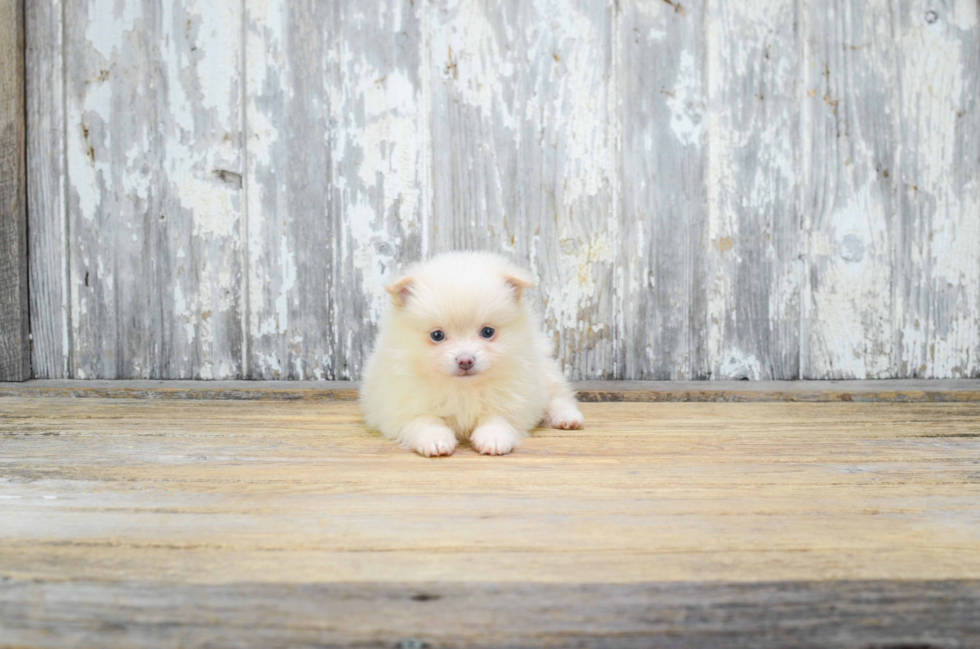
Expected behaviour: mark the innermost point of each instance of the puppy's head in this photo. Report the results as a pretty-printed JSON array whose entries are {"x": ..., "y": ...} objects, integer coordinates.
[{"x": 460, "y": 315}]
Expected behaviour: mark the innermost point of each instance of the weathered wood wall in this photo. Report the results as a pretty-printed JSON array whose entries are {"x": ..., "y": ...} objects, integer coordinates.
[
  {"x": 704, "y": 188},
  {"x": 15, "y": 359}
]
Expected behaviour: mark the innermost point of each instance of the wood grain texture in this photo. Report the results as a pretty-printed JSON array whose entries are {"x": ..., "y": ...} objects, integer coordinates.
[
  {"x": 524, "y": 130},
  {"x": 780, "y": 615},
  {"x": 153, "y": 144},
  {"x": 47, "y": 217},
  {"x": 752, "y": 253},
  {"x": 851, "y": 217},
  {"x": 302, "y": 492},
  {"x": 335, "y": 180},
  {"x": 15, "y": 354},
  {"x": 703, "y": 189},
  {"x": 145, "y": 522},
  {"x": 664, "y": 99},
  {"x": 937, "y": 275}
]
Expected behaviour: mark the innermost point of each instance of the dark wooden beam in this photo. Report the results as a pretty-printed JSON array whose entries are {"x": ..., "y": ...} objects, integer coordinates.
[
  {"x": 810, "y": 614},
  {"x": 15, "y": 350}
]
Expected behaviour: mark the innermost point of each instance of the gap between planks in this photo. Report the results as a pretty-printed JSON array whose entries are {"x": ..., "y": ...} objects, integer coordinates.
[{"x": 896, "y": 390}]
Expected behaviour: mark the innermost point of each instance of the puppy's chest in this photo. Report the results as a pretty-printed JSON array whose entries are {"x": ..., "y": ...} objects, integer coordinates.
[{"x": 464, "y": 412}]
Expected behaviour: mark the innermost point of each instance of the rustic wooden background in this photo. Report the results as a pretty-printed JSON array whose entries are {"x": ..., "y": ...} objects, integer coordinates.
[
  {"x": 704, "y": 188},
  {"x": 15, "y": 360}
]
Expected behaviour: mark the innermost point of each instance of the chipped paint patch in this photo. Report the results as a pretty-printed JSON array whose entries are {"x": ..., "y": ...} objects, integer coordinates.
[
  {"x": 738, "y": 365},
  {"x": 376, "y": 270},
  {"x": 686, "y": 102},
  {"x": 110, "y": 24},
  {"x": 469, "y": 58},
  {"x": 856, "y": 336},
  {"x": 578, "y": 286},
  {"x": 387, "y": 146}
]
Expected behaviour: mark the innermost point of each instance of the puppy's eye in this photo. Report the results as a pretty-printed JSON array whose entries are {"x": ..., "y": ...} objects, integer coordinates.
[
  {"x": 487, "y": 332},
  {"x": 437, "y": 336}
]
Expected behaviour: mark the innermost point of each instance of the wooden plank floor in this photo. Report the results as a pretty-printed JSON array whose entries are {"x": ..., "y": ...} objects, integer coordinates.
[{"x": 132, "y": 523}]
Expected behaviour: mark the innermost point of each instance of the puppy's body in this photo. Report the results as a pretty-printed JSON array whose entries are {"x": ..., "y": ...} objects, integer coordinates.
[{"x": 435, "y": 375}]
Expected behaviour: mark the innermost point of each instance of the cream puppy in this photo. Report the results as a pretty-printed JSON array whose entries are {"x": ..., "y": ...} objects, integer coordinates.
[{"x": 460, "y": 355}]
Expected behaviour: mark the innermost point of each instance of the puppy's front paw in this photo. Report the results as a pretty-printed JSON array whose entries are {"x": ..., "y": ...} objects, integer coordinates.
[
  {"x": 432, "y": 441},
  {"x": 495, "y": 438},
  {"x": 564, "y": 414},
  {"x": 435, "y": 445}
]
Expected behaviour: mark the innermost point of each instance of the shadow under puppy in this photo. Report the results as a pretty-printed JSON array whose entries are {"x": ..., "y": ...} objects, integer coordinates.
[{"x": 460, "y": 355}]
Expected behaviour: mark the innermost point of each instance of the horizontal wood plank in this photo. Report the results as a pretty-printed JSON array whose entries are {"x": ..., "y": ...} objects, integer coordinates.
[
  {"x": 150, "y": 523},
  {"x": 226, "y": 491},
  {"x": 892, "y": 614},
  {"x": 901, "y": 390}
]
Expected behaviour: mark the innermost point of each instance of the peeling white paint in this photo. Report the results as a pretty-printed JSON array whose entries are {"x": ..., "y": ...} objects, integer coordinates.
[
  {"x": 375, "y": 270},
  {"x": 288, "y": 282},
  {"x": 853, "y": 302},
  {"x": 578, "y": 285},
  {"x": 218, "y": 27},
  {"x": 964, "y": 15},
  {"x": 936, "y": 86},
  {"x": 577, "y": 95},
  {"x": 184, "y": 312},
  {"x": 739, "y": 365},
  {"x": 468, "y": 56},
  {"x": 388, "y": 140},
  {"x": 389, "y": 143},
  {"x": 531, "y": 98},
  {"x": 751, "y": 179},
  {"x": 686, "y": 102},
  {"x": 109, "y": 24},
  {"x": 151, "y": 118}
]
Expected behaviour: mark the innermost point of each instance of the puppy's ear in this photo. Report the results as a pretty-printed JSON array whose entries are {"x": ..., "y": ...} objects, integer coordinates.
[
  {"x": 518, "y": 280},
  {"x": 401, "y": 290}
]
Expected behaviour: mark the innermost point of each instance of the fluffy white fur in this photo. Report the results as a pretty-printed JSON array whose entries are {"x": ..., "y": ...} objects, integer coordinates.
[{"x": 416, "y": 391}]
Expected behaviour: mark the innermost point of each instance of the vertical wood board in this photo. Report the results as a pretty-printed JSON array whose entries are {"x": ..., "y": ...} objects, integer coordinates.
[
  {"x": 154, "y": 164},
  {"x": 47, "y": 218},
  {"x": 752, "y": 252},
  {"x": 524, "y": 134},
  {"x": 15, "y": 356},
  {"x": 937, "y": 261},
  {"x": 336, "y": 178},
  {"x": 850, "y": 210},
  {"x": 664, "y": 103}
]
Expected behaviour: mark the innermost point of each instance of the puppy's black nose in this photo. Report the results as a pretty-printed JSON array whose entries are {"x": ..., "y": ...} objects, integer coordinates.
[{"x": 465, "y": 361}]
